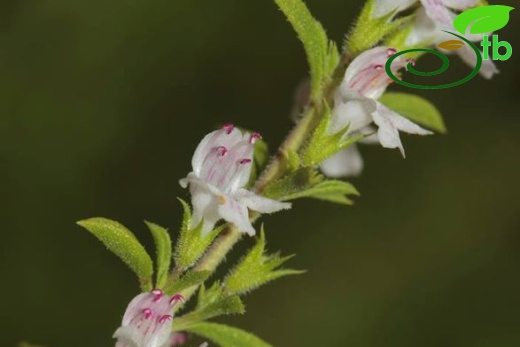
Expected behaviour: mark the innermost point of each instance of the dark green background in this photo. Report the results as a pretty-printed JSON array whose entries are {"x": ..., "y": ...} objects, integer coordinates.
[{"x": 101, "y": 106}]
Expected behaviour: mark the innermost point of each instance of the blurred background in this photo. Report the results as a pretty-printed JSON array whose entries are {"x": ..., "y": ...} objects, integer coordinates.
[{"x": 101, "y": 106}]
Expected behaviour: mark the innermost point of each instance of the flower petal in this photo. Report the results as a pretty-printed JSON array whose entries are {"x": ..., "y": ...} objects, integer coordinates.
[
  {"x": 355, "y": 113},
  {"x": 389, "y": 123},
  {"x": 343, "y": 164},
  {"x": 461, "y": 5},
  {"x": 439, "y": 13},
  {"x": 384, "y": 7},
  {"x": 225, "y": 137},
  {"x": 236, "y": 213},
  {"x": 488, "y": 69},
  {"x": 366, "y": 74},
  {"x": 261, "y": 204}
]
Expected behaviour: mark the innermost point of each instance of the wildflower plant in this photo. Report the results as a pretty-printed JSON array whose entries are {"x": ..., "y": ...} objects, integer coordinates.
[{"x": 232, "y": 184}]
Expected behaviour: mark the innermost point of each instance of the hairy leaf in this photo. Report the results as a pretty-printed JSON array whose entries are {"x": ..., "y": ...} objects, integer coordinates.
[
  {"x": 193, "y": 278},
  {"x": 256, "y": 269},
  {"x": 124, "y": 244},
  {"x": 192, "y": 244},
  {"x": 163, "y": 245},
  {"x": 369, "y": 31},
  {"x": 315, "y": 42},
  {"x": 322, "y": 145},
  {"x": 227, "y": 336}
]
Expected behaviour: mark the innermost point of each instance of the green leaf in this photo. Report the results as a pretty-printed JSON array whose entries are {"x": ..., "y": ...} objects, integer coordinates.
[
  {"x": 323, "y": 145},
  {"x": 193, "y": 278},
  {"x": 227, "y": 336},
  {"x": 256, "y": 269},
  {"x": 369, "y": 31},
  {"x": 329, "y": 190},
  {"x": 211, "y": 303},
  {"x": 415, "y": 108},
  {"x": 314, "y": 39},
  {"x": 286, "y": 187},
  {"x": 309, "y": 183},
  {"x": 482, "y": 20},
  {"x": 163, "y": 246},
  {"x": 125, "y": 245},
  {"x": 191, "y": 244},
  {"x": 228, "y": 305}
]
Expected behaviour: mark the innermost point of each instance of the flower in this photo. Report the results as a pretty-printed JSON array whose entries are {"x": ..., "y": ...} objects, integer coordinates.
[
  {"x": 147, "y": 320},
  {"x": 221, "y": 168},
  {"x": 356, "y": 106}
]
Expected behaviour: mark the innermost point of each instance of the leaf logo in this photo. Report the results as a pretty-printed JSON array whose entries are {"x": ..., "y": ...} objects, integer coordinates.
[{"x": 482, "y": 20}]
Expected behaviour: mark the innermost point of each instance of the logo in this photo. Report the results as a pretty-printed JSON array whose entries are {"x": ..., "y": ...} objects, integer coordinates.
[{"x": 480, "y": 20}]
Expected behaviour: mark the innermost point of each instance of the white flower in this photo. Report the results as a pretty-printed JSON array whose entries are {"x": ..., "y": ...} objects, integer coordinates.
[
  {"x": 436, "y": 16},
  {"x": 147, "y": 320},
  {"x": 356, "y": 105},
  {"x": 221, "y": 168}
]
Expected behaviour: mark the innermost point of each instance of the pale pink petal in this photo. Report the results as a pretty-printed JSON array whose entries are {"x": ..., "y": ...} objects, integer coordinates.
[
  {"x": 225, "y": 137},
  {"x": 354, "y": 112},
  {"x": 261, "y": 204},
  {"x": 236, "y": 213},
  {"x": 384, "y": 7},
  {"x": 439, "y": 13},
  {"x": 390, "y": 123},
  {"x": 366, "y": 74},
  {"x": 461, "y": 5},
  {"x": 343, "y": 164},
  {"x": 488, "y": 69},
  {"x": 147, "y": 321},
  {"x": 424, "y": 29}
]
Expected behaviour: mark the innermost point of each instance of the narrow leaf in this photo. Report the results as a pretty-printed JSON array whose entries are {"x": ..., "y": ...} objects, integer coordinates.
[
  {"x": 124, "y": 244},
  {"x": 191, "y": 244},
  {"x": 163, "y": 245},
  {"x": 329, "y": 190},
  {"x": 256, "y": 269},
  {"x": 415, "y": 108},
  {"x": 290, "y": 185},
  {"x": 369, "y": 30},
  {"x": 226, "y": 306},
  {"x": 314, "y": 40},
  {"x": 193, "y": 278},
  {"x": 227, "y": 336}
]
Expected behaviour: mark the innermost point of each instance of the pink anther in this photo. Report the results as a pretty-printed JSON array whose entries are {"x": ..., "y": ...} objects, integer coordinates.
[
  {"x": 228, "y": 127},
  {"x": 158, "y": 295},
  {"x": 378, "y": 67},
  {"x": 165, "y": 318},
  {"x": 391, "y": 51},
  {"x": 176, "y": 298},
  {"x": 245, "y": 161},
  {"x": 147, "y": 313},
  {"x": 254, "y": 137},
  {"x": 222, "y": 151}
]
